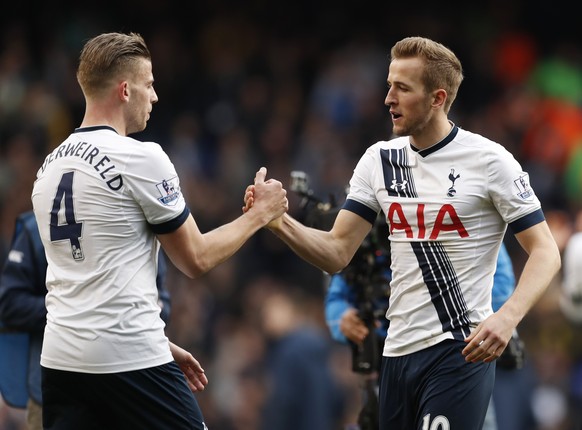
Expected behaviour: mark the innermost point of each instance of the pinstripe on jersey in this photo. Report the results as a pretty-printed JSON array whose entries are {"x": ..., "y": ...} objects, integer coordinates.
[
  {"x": 397, "y": 175},
  {"x": 443, "y": 286}
]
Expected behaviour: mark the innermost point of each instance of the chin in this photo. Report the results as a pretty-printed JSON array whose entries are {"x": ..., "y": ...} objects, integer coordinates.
[{"x": 398, "y": 131}]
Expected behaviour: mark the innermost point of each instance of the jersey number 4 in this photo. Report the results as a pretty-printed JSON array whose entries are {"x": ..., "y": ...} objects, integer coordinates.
[{"x": 71, "y": 230}]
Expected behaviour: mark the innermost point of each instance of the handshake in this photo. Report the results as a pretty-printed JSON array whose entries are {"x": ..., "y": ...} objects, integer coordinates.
[{"x": 267, "y": 197}]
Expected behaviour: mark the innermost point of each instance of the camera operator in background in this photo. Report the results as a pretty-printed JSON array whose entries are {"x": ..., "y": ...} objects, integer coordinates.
[
  {"x": 355, "y": 306},
  {"x": 357, "y": 296}
]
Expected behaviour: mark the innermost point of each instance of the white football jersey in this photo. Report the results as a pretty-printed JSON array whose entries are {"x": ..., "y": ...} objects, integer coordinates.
[
  {"x": 447, "y": 208},
  {"x": 99, "y": 198}
]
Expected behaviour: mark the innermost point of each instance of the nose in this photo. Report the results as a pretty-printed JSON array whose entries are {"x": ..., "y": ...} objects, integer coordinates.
[
  {"x": 389, "y": 100},
  {"x": 154, "y": 97}
]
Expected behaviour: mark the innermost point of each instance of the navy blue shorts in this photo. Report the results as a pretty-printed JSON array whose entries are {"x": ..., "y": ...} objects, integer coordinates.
[
  {"x": 155, "y": 398},
  {"x": 435, "y": 389}
]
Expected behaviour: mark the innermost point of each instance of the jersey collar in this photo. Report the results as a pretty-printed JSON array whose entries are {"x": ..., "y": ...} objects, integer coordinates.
[
  {"x": 449, "y": 138},
  {"x": 94, "y": 128}
]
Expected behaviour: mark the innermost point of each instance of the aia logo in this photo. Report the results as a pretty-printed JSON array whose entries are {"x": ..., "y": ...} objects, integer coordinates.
[{"x": 446, "y": 220}]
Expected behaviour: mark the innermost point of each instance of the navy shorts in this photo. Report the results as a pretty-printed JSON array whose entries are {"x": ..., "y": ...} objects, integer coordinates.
[
  {"x": 435, "y": 389},
  {"x": 155, "y": 398}
]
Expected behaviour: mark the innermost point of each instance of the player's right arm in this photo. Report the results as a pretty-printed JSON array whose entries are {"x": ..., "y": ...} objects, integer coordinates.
[
  {"x": 331, "y": 250},
  {"x": 194, "y": 252}
]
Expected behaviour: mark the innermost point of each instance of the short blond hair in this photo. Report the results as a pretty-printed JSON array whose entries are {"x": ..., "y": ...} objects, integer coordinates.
[
  {"x": 107, "y": 56},
  {"x": 442, "y": 67}
]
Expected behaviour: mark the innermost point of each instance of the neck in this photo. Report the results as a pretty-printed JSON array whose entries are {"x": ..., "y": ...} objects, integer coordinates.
[
  {"x": 104, "y": 115},
  {"x": 432, "y": 133}
]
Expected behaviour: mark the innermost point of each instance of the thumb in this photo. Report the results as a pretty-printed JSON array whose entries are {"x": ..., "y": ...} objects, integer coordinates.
[{"x": 260, "y": 175}]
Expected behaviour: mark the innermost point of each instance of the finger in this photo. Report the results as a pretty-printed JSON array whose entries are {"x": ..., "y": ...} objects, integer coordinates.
[
  {"x": 249, "y": 196},
  {"x": 472, "y": 341},
  {"x": 480, "y": 352},
  {"x": 473, "y": 357},
  {"x": 203, "y": 380},
  {"x": 195, "y": 380},
  {"x": 472, "y": 335},
  {"x": 250, "y": 190},
  {"x": 249, "y": 204},
  {"x": 471, "y": 347},
  {"x": 198, "y": 385},
  {"x": 260, "y": 175}
]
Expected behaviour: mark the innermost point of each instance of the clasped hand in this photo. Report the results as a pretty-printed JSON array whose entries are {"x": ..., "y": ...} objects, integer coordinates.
[{"x": 268, "y": 196}]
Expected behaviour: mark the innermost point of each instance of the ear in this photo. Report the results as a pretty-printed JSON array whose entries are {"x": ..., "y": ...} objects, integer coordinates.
[
  {"x": 123, "y": 91},
  {"x": 439, "y": 98}
]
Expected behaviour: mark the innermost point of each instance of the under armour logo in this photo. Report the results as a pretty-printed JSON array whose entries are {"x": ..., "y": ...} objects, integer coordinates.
[
  {"x": 451, "y": 191},
  {"x": 396, "y": 185}
]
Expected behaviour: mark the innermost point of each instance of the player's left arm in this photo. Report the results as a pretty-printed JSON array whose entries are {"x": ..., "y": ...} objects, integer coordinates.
[
  {"x": 489, "y": 339},
  {"x": 541, "y": 266}
]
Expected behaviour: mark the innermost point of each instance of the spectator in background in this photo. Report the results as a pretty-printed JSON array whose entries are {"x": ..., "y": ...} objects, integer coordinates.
[
  {"x": 571, "y": 294},
  {"x": 22, "y": 307},
  {"x": 571, "y": 306},
  {"x": 301, "y": 392}
]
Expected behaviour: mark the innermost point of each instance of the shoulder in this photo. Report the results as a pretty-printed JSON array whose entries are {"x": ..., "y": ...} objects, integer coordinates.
[
  {"x": 395, "y": 143},
  {"x": 141, "y": 159},
  {"x": 140, "y": 145},
  {"x": 479, "y": 142},
  {"x": 485, "y": 152},
  {"x": 110, "y": 139},
  {"x": 149, "y": 150},
  {"x": 469, "y": 138},
  {"x": 375, "y": 150}
]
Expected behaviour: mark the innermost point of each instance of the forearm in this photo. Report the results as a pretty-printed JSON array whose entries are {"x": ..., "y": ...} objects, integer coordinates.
[
  {"x": 317, "y": 247},
  {"x": 195, "y": 253},
  {"x": 541, "y": 267}
]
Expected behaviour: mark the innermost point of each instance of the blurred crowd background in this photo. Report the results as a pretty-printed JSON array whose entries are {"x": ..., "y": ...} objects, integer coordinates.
[{"x": 300, "y": 86}]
